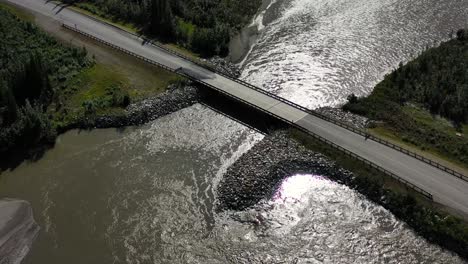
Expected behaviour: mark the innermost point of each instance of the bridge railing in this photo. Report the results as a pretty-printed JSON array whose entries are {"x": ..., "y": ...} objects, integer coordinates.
[
  {"x": 312, "y": 112},
  {"x": 322, "y": 116},
  {"x": 347, "y": 152},
  {"x": 373, "y": 165},
  {"x": 355, "y": 130},
  {"x": 119, "y": 48},
  {"x": 319, "y": 115}
]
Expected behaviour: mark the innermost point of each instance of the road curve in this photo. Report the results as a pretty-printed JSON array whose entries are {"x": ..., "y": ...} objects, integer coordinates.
[{"x": 445, "y": 188}]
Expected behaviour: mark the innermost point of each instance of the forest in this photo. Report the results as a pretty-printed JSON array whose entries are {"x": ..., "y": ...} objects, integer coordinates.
[
  {"x": 437, "y": 82},
  {"x": 33, "y": 67},
  {"x": 204, "y": 26}
]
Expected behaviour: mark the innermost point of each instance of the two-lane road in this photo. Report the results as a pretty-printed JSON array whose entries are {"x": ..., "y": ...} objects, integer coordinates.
[{"x": 445, "y": 188}]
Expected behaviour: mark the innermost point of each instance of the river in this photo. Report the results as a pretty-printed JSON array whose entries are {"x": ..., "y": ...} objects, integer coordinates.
[
  {"x": 317, "y": 52},
  {"x": 146, "y": 194}
]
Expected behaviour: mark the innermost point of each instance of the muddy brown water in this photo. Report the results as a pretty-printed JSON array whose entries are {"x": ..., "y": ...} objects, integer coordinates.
[{"x": 146, "y": 194}]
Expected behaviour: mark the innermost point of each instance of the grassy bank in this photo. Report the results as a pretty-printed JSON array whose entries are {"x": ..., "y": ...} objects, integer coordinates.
[
  {"x": 47, "y": 85},
  {"x": 425, "y": 103},
  {"x": 105, "y": 90},
  {"x": 428, "y": 220},
  {"x": 33, "y": 67},
  {"x": 21, "y": 14},
  {"x": 420, "y": 148}
]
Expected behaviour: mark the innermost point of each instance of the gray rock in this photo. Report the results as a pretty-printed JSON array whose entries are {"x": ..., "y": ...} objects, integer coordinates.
[
  {"x": 345, "y": 117},
  {"x": 258, "y": 172},
  {"x": 174, "y": 99},
  {"x": 17, "y": 230},
  {"x": 223, "y": 66}
]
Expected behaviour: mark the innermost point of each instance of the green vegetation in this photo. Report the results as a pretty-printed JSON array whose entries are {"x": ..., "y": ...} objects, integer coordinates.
[
  {"x": 416, "y": 101},
  {"x": 105, "y": 90},
  {"x": 427, "y": 220},
  {"x": 132, "y": 28},
  {"x": 95, "y": 90},
  {"x": 33, "y": 66},
  {"x": 203, "y": 26},
  {"x": 23, "y": 15},
  {"x": 441, "y": 125},
  {"x": 47, "y": 88}
]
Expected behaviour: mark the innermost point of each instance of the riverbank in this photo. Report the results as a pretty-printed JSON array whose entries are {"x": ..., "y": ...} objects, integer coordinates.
[
  {"x": 34, "y": 67},
  {"x": 115, "y": 90},
  {"x": 177, "y": 97},
  {"x": 256, "y": 175},
  {"x": 423, "y": 103},
  {"x": 380, "y": 130}
]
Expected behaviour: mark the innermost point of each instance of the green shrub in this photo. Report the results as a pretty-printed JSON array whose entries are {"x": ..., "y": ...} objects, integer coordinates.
[
  {"x": 437, "y": 82},
  {"x": 185, "y": 31},
  {"x": 119, "y": 97},
  {"x": 33, "y": 66},
  {"x": 182, "y": 21},
  {"x": 31, "y": 128}
]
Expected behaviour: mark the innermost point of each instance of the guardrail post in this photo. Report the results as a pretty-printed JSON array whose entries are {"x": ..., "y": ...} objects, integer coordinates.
[{"x": 312, "y": 112}]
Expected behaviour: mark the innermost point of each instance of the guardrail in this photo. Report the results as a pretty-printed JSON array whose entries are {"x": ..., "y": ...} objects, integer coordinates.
[
  {"x": 319, "y": 115},
  {"x": 119, "y": 48},
  {"x": 347, "y": 152},
  {"x": 148, "y": 41},
  {"x": 324, "y": 117},
  {"x": 309, "y": 111},
  {"x": 356, "y": 130},
  {"x": 371, "y": 164}
]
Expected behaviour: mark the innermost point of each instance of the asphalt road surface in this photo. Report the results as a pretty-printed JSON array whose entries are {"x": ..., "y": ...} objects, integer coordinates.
[{"x": 445, "y": 188}]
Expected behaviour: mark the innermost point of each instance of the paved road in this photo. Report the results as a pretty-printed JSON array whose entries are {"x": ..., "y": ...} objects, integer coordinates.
[{"x": 445, "y": 188}]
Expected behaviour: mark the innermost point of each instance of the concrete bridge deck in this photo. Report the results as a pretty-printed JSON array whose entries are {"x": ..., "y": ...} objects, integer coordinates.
[{"x": 442, "y": 186}]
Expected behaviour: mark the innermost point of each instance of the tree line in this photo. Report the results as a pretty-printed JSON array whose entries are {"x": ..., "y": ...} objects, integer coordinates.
[
  {"x": 33, "y": 66},
  {"x": 435, "y": 82},
  {"x": 204, "y": 26}
]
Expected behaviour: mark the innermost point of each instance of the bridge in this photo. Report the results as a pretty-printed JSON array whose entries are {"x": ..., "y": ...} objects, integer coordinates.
[{"x": 433, "y": 180}]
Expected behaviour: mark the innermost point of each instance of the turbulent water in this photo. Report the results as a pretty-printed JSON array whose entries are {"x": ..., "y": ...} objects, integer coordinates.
[
  {"x": 147, "y": 194},
  {"x": 317, "y": 52}
]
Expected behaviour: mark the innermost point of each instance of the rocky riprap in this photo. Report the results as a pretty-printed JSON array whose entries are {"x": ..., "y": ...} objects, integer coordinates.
[
  {"x": 174, "y": 99},
  {"x": 223, "y": 66},
  {"x": 257, "y": 173},
  {"x": 343, "y": 116}
]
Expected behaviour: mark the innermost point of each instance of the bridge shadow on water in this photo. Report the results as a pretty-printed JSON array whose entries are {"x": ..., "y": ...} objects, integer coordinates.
[{"x": 240, "y": 112}]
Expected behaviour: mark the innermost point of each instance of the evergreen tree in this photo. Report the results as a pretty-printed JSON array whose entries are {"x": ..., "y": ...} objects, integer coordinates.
[
  {"x": 162, "y": 23},
  {"x": 8, "y": 106},
  {"x": 30, "y": 80}
]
